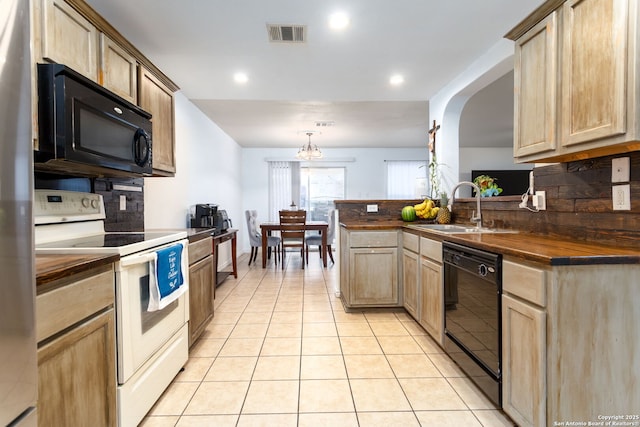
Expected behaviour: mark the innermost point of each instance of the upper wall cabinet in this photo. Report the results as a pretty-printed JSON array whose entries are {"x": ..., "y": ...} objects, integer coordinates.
[
  {"x": 534, "y": 74},
  {"x": 575, "y": 81},
  {"x": 70, "y": 32},
  {"x": 594, "y": 62},
  {"x": 69, "y": 38},
  {"x": 118, "y": 69},
  {"x": 157, "y": 99}
]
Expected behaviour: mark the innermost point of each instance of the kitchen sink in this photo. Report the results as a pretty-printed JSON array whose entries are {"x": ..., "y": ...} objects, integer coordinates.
[{"x": 460, "y": 229}]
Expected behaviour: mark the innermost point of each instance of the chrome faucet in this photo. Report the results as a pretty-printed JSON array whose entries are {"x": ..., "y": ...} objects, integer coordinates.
[{"x": 476, "y": 216}]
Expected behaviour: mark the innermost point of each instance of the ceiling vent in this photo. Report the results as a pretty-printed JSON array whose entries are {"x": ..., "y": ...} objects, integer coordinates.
[
  {"x": 287, "y": 33},
  {"x": 325, "y": 123}
]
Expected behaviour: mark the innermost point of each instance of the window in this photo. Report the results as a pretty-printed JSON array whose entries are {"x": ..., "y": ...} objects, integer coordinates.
[
  {"x": 319, "y": 187},
  {"x": 407, "y": 179},
  {"x": 310, "y": 188}
]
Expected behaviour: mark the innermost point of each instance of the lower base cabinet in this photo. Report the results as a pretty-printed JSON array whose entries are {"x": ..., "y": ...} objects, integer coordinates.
[
  {"x": 374, "y": 276},
  {"x": 523, "y": 362},
  {"x": 76, "y": 376},
  {"x": 369, "y": 269},
  {"x": 410, "y": 266},
  {"x": 431, "y": 289},
  {"x": 524, "y": 346},
  {"x": 75, "y": 329},
  {"x": 411, "y": 273},
  {"x": 201, "y": 287},
  {"x": 432, "y": 299}
]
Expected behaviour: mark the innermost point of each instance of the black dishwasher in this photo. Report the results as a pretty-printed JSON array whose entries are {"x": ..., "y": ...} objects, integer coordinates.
[{"x": 473, "y": 289}]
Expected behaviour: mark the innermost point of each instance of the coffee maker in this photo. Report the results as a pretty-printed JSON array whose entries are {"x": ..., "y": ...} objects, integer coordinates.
[{"x": 204, "y": 216}]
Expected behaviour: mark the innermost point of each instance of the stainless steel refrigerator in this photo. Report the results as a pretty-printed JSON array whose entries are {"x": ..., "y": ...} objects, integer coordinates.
[{"x": 18, "y": 358}]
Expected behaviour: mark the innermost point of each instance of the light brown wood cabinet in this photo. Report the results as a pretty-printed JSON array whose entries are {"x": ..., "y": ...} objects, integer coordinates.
[
  {"x": 410, "y": 277},
  {"x": 535, "y": 98},
  {"x": 431, "y": 312},
  {"x": 70, "y": 32},
  {"x": 523, "y": 367},
  {"x": 118, "y": 69},
  {"x": 576, "y": 91},
  {"x": 67, "y": 37},
  {"x": 201, "y": 287},
  {"x": 374, "y": 276},
  {"x": 568, "y": 349},
  {"x": 431, "y": 289},
  {"x": 156, "y": 98},
  {"x": 524, "y": 343},
  {"x": 422, "y": 284},
  {"x": 369, "y": 266},
  {"x": 75, "y": 328},
  {"x": 344, "y": 269}
]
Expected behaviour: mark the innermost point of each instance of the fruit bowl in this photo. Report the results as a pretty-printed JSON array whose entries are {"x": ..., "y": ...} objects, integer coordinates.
[{"x": 426, "y": 210}]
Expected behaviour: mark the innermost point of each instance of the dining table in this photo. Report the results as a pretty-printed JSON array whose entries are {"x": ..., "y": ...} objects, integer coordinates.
[{"x": 268, "y": 227}]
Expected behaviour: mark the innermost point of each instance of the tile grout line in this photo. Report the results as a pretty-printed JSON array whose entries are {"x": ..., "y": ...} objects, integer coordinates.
[{"x": 310, "y": 298}]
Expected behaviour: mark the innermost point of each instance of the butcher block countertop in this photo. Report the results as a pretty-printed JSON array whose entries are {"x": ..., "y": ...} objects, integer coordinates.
[
  {"x": 527, "y": 246},
  {"x": 53, "y": 267},
  {"x": 374, "y": 225},
  {"x": 196, "y": 234}
]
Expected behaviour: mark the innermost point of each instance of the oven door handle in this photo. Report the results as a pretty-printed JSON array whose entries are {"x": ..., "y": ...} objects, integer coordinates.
[{"x": 135, "y": 260}]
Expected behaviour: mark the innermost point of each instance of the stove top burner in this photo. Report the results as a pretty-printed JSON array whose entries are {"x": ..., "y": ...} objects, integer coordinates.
[
  {"x": 106, "y": 240},
  {"x": 119, "y": 243}
]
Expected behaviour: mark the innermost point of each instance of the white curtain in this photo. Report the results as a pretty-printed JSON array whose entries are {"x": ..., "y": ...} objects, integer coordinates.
[
  {"x": 284, "y": 187},
  {"x": 406, "y": 179}
]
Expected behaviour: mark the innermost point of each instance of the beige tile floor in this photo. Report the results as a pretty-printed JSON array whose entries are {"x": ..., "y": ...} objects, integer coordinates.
[{"x": 281, "y": 351}]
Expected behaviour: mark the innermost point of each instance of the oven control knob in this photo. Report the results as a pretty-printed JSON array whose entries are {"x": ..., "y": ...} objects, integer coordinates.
[
  {"x": 94, "y": 203},
  {"x": 483, "y": 270},
  {"x": 85, "y": 202}
]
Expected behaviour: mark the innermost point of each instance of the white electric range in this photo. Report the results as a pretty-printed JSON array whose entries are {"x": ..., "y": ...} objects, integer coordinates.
[{"x": 152, "y": 346}]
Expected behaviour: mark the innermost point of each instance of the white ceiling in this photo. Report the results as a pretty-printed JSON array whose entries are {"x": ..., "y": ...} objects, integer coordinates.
[{"x": 334, "y": 76}]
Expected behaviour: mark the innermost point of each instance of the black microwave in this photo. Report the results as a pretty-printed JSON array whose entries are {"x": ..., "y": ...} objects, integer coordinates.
[{"x": 85, "y": 129}]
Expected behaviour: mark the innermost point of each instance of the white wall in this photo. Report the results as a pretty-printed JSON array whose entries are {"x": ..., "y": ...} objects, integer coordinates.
[
  {"x": 365, "y": 175},
  {"x": 208, "y": 165},
  {"x": 446, "y": 106}
]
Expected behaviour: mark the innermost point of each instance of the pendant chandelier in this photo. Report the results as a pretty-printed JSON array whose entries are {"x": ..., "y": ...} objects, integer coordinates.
[{"x": 307, "y": 152}]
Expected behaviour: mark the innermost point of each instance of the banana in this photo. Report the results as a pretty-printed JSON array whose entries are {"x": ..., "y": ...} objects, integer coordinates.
[
  {"x": 425, "y": 205},
  {"x": 424, "y": 210}
]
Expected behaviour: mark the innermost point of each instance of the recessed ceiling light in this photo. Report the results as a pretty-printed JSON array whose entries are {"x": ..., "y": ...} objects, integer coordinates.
[
  {"x": 240, "y": 78},
  {"x": 338, "y": 21},
  {"x": 396, "y": 80}
]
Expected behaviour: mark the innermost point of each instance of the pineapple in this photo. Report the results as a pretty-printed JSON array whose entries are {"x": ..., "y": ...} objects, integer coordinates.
[{"x": 444, "y": 214}]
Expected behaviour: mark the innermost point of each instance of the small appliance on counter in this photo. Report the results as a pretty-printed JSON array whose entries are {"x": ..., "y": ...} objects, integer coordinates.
[
  {"x": 203, "y": 215},
  {"x": 222, "y": 221}
]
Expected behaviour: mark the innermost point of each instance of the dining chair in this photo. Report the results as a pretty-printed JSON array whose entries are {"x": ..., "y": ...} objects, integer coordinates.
[
  {"x": 292, "y": 230},
  {"x": 255, "y": 238},
  {"x": 316, "y": 239}
]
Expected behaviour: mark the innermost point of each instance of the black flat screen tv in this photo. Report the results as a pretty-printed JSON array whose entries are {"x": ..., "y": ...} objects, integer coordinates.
[{"x": 512, "y": 182}]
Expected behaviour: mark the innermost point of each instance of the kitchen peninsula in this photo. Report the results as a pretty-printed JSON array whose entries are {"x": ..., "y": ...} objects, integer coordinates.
[{"x": 569, "y": 308}]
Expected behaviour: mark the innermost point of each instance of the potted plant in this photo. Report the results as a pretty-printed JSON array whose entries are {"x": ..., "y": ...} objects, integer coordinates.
[
  {"x": 488, "y": 186},
  {"x": 434, "y": 177}
]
